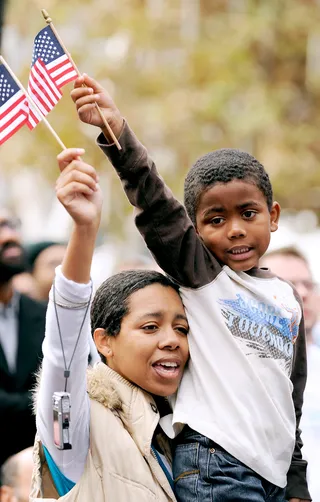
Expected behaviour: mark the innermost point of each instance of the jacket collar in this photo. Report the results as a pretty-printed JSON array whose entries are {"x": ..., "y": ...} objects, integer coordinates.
[{"x": 135, "y": 407}]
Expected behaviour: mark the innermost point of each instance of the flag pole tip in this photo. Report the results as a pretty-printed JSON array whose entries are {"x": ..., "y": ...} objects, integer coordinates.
[{"x": 46, "y": 16}]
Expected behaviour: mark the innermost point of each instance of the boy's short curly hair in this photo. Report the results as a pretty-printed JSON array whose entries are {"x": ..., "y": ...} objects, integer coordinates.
[{"x": 222, "y": 166}]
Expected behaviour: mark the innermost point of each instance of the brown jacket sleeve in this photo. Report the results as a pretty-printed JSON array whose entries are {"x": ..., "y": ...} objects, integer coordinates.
[
  {"x": 160, "y": 217},
  {"x": 297, "y": 486}
]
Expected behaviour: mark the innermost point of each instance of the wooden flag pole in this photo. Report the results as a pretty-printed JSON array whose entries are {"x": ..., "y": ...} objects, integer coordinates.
[
  {"x": 53, "y": 132},
  {"x": 49, "y": 22}
]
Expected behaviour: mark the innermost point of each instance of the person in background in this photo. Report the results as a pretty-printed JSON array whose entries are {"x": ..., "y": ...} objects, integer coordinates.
[
  {"x": 289, "y": 264},
  {"x": 22, "y": 326},
  {"x": 24, "y": 283},
  {"x": 16, "y": 474},
  {"x": 43, "y": 258}
]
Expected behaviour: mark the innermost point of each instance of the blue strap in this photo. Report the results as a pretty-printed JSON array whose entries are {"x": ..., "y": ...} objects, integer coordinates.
[
  {"x": 163, "y": 467},
  {"x": 62, "y": 483}
]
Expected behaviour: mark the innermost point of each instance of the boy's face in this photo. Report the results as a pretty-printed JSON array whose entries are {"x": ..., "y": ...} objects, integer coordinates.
[{"x": 234, "y": 222}]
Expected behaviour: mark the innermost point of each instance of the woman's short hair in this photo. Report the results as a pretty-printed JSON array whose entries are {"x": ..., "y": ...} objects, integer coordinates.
[{"x": 111, "y": 301}]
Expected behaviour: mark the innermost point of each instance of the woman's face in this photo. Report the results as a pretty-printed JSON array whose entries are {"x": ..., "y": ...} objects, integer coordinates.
[{"x": 151, "y": 349}]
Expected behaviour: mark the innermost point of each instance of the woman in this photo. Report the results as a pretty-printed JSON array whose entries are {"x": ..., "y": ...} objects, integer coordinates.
[{"x": 119, "y": 452}]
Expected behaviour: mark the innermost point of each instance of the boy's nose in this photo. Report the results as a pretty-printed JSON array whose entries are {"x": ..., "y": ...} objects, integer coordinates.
[{"x": 236, "y": 231}]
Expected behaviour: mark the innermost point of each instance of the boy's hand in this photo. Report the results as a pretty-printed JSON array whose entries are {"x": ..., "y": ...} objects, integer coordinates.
[
  {"x": 85, "y": 99},
  {"x": 77, "y": 188}
]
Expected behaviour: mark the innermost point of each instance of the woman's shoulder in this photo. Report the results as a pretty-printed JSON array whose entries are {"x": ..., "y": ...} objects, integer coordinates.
[{"x": 101, "y": 388}]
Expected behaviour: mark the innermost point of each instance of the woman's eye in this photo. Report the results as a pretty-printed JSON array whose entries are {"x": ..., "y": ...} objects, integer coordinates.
[
  {"x": 182, "y": 329},
  {"x": 249, "y": 214},
  {"x": 217, "y": 220}
]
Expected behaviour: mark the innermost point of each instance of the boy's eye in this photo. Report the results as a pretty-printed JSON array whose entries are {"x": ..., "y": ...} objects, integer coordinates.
[
  {"x": 249, "y": 215},
  {"x": 150, "y": 327},
  {"x": 217, "y": 220}
]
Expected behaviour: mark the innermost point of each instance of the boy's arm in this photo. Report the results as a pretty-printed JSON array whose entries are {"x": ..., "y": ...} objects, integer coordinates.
[
  {"x": 160, "y": 218},
  {"x": 297, "y": 487}
]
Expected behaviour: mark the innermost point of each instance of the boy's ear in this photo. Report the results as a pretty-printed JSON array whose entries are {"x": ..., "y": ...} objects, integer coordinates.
[
  {"x": 197, "y": 231},
  {"x": 103, "y": 342},
  {"x": 274, "y": 216}
]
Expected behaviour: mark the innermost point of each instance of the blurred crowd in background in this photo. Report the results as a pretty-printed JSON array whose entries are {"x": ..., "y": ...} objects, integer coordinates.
[{"x": 203, "y": 74}]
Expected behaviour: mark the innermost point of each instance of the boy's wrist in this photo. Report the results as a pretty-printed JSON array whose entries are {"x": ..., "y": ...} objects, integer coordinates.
[{"x": 116, "y": 126}]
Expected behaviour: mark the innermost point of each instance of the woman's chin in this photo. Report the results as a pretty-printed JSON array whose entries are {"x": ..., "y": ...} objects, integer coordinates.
[
  {"x": 165, "y": 392},
  {"x": 164, "y": 382}
]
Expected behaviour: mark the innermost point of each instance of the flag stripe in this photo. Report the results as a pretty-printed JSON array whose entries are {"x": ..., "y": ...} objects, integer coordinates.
[
  {"x": 57, "y": 62},
  {"x": 41, "y": 89},
  {"x": 14, "y": 127},
  {"x": 66, "y": 78},
  {"x": 32, "y": 120},
  {"x": 9, "y": 118},
  {"x": 40, "y": 67},
  {"x": 37, "y": 97},
  {"x": 34, "y": 116},
  {"x": 34, "y": 93},
  {"x": 12, "y": 102},
  {"x": 37, "y": 92},
  {"x": 67, "y": 66}
]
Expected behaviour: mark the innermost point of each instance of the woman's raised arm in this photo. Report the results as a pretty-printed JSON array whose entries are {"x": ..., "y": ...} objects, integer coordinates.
[{"x": 66, "y": 344}]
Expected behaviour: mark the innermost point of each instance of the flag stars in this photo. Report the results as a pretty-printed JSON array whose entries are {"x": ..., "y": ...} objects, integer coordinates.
[{"x": 7, "y": 88}]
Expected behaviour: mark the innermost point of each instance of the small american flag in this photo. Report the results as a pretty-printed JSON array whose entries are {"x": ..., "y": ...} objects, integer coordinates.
[
  {"x": 13, "y": 110},
  {"x": 51, "y": 69}
]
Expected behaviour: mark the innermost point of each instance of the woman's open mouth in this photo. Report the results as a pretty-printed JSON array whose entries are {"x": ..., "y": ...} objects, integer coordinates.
[{"x": 167, "y": 369}]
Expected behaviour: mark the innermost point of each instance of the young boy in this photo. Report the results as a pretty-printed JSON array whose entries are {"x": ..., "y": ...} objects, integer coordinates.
[{"x": 241, "y": 396}]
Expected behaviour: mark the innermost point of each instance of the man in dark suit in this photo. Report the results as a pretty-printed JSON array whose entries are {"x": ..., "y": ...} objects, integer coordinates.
[{"x": 22, "y": 325}]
